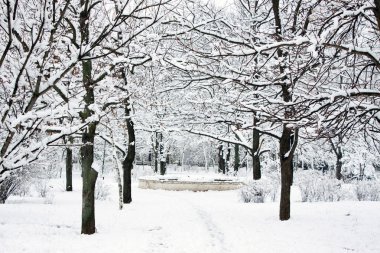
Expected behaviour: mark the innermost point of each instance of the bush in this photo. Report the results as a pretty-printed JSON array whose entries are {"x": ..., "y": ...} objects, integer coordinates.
[
  {"x": 259, "y": 191},
  {"x": 367, "y": 190},
  {"x": 44, "y": 190},
  {"x": 102, "y": 191},
  {"x": 49, "y": 197},
  {"x": 315, "y": 186},
  {"x": 252, "y": 193},
  {"x": 23, "y": 189},
  {"x": 14, "y": 184},
  {"x": 42, "y": 187},
  {"x": 7, "y": 187}
]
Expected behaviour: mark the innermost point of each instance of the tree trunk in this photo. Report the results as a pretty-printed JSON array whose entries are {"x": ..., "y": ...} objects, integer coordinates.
[
  {"x": 162, "y": 156},
  {"x": 376, "y": 11},
  {"x": 256, "y": 167},
  {"x": 291, "y": 162},
  {"x": 338, "y": 170},
  {"x": 255, "y": 154},
  {"x": 89, "y": 179},
  {"x": 338, "y": 152},
  {"x": 286, "y": 157},
  {"x": 156, "y": 153},
  {"x": 162, "y": 168},
  {"x": 221, "y": 161},
  {"x": 69, "y": 169},
  {"x": 118, "y": 168},
  {"x": 339, "y": 156},
  {"x": 228, "y": 158},
  {"x": 104, "y": 156},
  {"x": 237, "y": 159},
  {"x": 88, "y": 137},
  {"x": 286, "y": 147},
  {"x": 130, "y": 158},
  {"x": 285, "y": 189}
]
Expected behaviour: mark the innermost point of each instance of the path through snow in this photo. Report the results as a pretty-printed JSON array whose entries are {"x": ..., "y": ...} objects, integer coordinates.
[{"x": 187, "y": 222}]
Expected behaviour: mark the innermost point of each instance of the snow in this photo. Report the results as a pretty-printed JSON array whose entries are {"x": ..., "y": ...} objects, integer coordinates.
[{"x": 166, "y": 221}]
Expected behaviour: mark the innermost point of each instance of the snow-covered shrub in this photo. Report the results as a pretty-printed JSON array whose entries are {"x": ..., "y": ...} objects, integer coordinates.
[
  {"x": 49, "y": 197},
  {"x": 259, "y": 191},
  {"x": 42, "y": 187},
  {"x": 368, "y": 190},
  {"x": 23, "y": 189},
  {"x": 102, "y": 190},
  {"x": 315, "y": 186},
  {"x": 7, "y": 187},
  {"x": 252, "y": 193},
  {"x": 16, "y": 184}
]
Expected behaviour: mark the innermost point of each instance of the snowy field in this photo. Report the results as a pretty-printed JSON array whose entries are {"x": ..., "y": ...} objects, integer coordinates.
[{"x": 164, "y": 221}]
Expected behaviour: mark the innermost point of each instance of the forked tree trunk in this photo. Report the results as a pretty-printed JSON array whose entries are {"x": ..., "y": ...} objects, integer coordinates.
[
  {"x": 130, "y": 158},
  {"x": 286, "y": 149},
  {"x": 88, "y": 137}
]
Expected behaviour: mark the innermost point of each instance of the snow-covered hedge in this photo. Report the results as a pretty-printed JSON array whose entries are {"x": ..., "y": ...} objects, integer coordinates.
[
  {"x": 315, "y": 186},
  {"x": 368, "y": 190},
  {"x": 261, "y": 190}
]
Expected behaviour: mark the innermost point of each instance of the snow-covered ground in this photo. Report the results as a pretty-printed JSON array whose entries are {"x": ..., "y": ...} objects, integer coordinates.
[{"x": 164, "y": 221}]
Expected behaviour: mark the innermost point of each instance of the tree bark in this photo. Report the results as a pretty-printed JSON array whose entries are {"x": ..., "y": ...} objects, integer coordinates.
[
  {"x": 130, "y": 158},
  {"x": 69, "y": 168},
  {"x": 228, "y": 158},
  {"x": 89, "y": 179},
  {"x": 118, "y": 168},
  {"x": 376, "y": 11},
  {"x": 88, "y": 137},
  {"x": 162, "y": 157},
  {"x": 221, "y": 161},
  {"x": 338, "y": 170},
  {"x": 256, "y": 166},
  {"x": 286, "y": 173},
  {"x": 237, "y": 159},
  {"x": 338, "y": 152},
  {"x": 156, "y": 153},
  {"x": 339, "y": 163}
]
